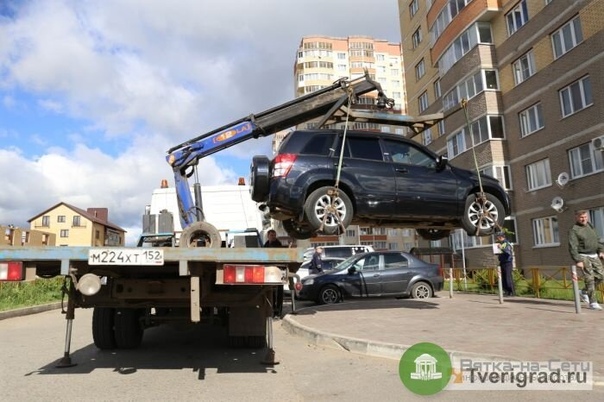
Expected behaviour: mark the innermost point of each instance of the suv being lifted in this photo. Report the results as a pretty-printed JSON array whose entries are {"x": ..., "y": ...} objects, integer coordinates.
[{"x": 384, "y": 180}]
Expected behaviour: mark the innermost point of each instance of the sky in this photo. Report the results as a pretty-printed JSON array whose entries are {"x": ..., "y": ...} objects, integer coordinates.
[{"x": 94, "y": 92}]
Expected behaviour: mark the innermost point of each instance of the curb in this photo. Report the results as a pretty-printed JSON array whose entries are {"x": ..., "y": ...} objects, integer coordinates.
[
  {"x": 379, "y": 349},
  {"x": 29, "y": 310}
]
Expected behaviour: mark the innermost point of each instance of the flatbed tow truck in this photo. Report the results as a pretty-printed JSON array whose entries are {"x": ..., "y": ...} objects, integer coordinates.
[{"x": 134, "y": 288}]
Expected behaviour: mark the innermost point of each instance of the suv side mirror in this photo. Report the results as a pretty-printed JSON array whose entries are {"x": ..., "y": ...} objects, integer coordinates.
[
  {"x": 441, "y": 163},
  {"x": 352, "y": 270}
]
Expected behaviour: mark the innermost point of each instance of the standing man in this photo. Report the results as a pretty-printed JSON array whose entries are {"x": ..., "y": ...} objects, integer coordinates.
[
  {"x": 506, "y": 262},
  {"x": 586, "y": 251},
  {"x": 316, "y": 264},
  {"x": 272, "y": 240}
]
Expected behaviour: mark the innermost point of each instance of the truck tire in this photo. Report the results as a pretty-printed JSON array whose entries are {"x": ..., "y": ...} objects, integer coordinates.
[
  {"x": 128, "y": 328},
  {"x": 200, "y": 231},
  {"x": 102, "y": 328}
]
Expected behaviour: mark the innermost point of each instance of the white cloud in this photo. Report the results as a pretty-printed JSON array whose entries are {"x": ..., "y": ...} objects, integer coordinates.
[{"x": 108, "y": 86}]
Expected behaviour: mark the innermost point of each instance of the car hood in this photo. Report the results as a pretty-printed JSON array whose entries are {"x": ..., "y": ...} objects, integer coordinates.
[{"x": 471, "y": 175}]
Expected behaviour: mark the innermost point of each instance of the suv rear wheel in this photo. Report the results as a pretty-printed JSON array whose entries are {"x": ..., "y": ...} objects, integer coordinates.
[
  {"x": 482, "y": 216},
  {"x": 328, "y": 210}
]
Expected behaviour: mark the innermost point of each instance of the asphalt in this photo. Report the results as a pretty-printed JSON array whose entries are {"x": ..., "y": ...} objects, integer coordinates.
[{"x": 469, "y": 326}]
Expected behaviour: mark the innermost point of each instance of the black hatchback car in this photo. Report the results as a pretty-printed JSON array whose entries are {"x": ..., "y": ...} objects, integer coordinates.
[
  {"x": 381, "y": 179},
  {"x": 374, "y": 274}
]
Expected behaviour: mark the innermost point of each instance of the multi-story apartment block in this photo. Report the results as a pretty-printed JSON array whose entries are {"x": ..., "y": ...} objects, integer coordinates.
[
  {"x": 529, "y": 71},
  {"x": 73, "y": 226},
  {"x": 322, "y": 60}
]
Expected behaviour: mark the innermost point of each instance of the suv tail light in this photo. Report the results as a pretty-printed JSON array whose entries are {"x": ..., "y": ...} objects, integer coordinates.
[{"x": 282, "y": 164}]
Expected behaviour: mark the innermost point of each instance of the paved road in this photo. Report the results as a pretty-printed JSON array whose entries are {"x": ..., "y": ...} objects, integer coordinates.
[{"x": 471, "y": 326}]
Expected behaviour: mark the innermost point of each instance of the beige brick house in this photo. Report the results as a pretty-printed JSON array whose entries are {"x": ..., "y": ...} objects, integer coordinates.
[{"x": 77, "y": 227}]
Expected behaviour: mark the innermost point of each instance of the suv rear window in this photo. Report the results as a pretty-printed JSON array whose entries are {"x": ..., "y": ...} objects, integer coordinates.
[
  {"x": 363, "y": 148},
  {"x": 307, "y": 143}
]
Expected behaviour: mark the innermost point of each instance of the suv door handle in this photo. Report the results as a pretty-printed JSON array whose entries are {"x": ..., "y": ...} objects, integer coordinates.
[{"x": 402, "y": 170}]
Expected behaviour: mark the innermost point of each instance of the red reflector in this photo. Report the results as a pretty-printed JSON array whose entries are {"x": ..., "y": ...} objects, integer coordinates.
[
  {"x": 298, "y": 286},
  {"x": 258, "y": 274},
  {"x": 11, "y": 271},
  {"x": 230, "y": 273}
]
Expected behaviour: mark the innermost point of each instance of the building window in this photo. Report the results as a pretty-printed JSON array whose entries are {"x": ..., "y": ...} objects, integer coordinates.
[
  {"x": 576, "y": 96},
  {"x": 538, "y": 175},
  {"x": 423, "y": 102},
  {"x": 76, "y": 221},
  {"x": 97, "y": 234},
  {"x": 470, "y": 88},
  {"x": 531, "y": 120},
  {"x": 596, "y": 217},
  {"x": 567, "y": 37},
  {"x": 585, "y": 160},
  {"x": 46, "y": 221},
  {"x": 441, "y": 127},
  {"x": 416, "y": 38},
  {"x": 487, "y": 127},
  {"x": 437, "y": 91},
  {"x": 64, "y": 233},
  {"x": 545, "y": 231},
  {"x": 501, "y": 173},
  {"x": 524, "y": 67},
  {"x": 427, "y": 136},
  {"x": 61, "y": 218},
  {"x": 420, "y": 69},
  {"x": 456, "y": 144},
  {"x": 413, "y": 8},
  {"x": 517, "y": 17}
]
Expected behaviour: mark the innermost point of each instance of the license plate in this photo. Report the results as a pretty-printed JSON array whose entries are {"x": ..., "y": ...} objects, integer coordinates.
[{"x": 128, "y": 256}]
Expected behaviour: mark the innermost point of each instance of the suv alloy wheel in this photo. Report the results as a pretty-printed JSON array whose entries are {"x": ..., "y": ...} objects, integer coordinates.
[{"x": 328, "y": 210}]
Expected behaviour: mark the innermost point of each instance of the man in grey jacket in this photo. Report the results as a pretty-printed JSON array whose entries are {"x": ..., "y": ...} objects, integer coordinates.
[{"x": 586, "y": 251}]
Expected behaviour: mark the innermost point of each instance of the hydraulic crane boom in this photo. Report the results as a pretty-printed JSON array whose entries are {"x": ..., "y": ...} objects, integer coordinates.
[{"x": 331, "y": 103}]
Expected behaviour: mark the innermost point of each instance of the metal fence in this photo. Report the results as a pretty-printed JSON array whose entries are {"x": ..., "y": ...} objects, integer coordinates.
[{"x": 540, "y": 282}]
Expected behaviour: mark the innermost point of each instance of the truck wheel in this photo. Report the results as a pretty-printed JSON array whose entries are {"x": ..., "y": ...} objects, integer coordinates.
[
  {"x": 128, "y": 328},
  {"x": 259, "y": 178},
  {"x": 482, "y": 217},
  {"x": 200, "y": 234},
  {"x": 331, "y": 214},
  {"x": 102, "y": 328},
  {"x": 297, "y": 231}
]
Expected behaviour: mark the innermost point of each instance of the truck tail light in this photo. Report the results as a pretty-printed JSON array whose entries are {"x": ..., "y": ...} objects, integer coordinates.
[
  {"x": 282, "y": 164},
  {"x": 11, "y": 271},
  {"x": 248, "y": 275}
]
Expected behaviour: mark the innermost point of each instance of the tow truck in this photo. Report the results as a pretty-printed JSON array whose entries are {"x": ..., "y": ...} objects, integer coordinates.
[{"x": 131, "y": 289}]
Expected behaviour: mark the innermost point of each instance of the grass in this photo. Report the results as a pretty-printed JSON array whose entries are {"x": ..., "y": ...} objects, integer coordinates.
[{"x": 32, "y": 293}]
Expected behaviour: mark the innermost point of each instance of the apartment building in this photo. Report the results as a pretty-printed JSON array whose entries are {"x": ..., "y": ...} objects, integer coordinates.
[
  {"x": 530, "y": 72},
  {"x": 72, "y": 226},
  {"x": 322, "y": 60}
]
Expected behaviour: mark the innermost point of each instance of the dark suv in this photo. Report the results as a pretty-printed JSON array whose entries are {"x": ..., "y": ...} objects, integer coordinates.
[{"x": 384, "y": 180}]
